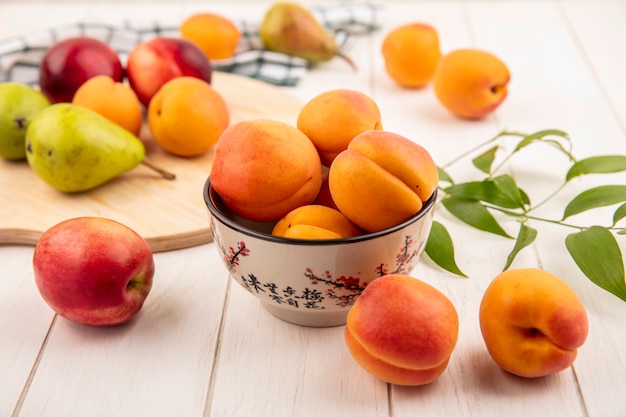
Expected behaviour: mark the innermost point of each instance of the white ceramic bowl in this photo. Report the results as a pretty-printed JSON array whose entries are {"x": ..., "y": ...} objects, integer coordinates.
[{"x": 312, "y": 282}]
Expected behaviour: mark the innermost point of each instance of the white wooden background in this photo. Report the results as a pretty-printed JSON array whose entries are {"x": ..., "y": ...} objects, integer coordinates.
[{"x": 203, "y": 347}]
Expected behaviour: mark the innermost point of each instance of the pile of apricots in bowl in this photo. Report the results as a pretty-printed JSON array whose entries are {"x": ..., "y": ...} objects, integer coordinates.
[{"x": 333, "y": 201}]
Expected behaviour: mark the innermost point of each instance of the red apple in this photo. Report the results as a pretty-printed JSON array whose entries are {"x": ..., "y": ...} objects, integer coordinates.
[
  {"x": 156, "y": 61},
  {"x": 93, "y": 270},
  {"x": 67, "y": 64}
]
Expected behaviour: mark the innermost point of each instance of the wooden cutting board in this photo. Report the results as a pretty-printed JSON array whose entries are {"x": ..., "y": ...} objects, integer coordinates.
[{"x": 168, "y": 214}]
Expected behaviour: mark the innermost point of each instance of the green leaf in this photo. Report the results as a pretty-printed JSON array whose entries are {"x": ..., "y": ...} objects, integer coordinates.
[
  {"x": 525, "y": 237},
  {"x": 597, "y": 165},
  {"x": 443, "y": 175},
  {"x": 440, "y": 249},
  {"x": 484, "y": 161},
  {"x": 604, "y": 195},
  {"x": 500, "y": 191},
  {"x": 619, "y": 214},
  {"x": 475, "y": 214},
  {"x": 525, "y": 198},
  {"x": 508, "y": 186},
  {"x": 597, "y": 254},
  {"x": 528, "y": 139}
]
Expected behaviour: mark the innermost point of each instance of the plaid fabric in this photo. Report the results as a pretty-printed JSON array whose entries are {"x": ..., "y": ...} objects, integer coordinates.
[{"x": 20, "y": 56}]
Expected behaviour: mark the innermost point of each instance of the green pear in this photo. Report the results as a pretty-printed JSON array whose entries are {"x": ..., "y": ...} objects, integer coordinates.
[
  {"x": 18, "y": 104},
  {"x": 76, "y": 149},
  {"x": 291, "y": 29}
]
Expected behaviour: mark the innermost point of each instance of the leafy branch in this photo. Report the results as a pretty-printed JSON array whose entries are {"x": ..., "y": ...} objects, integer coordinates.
[{"x": 594, "y": 249}]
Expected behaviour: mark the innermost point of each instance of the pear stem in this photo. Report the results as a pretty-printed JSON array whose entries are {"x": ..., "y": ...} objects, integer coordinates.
[
  {"x": 165, "y": 174},
  {"x": 348, "y": 60}
]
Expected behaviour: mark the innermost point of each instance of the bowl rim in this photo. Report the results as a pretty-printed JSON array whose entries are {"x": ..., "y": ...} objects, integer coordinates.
[{"x": 212, "y": 201}]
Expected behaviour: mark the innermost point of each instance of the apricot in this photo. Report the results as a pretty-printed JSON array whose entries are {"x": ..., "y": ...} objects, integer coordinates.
[
  {"x": 381, "y": 180},
  {"x": 112, "y": 99},
  {"x": 411, "y": 53},
  {"x": 324, "y": 198},
  {"x": 532, "y": 322},
  {"x": 333, "y": 118},
  {"x": 315, "y": 222},
  {"x": 187, "y": 116},
  {"x": 216, "y": 35},
  {"x": 471, "y": 83},
  {"x": 262, "y": 169},
  {"x": 402, "y": 330}
]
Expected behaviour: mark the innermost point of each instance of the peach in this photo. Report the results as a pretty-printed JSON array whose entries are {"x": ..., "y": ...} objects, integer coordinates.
[
  {"x": 333, "y": 118},
  {"x": 471, "y": 83},
  {"x": 262, "y": 169},
  {"x": 216, "y": 35},
  {"x": 112, "y": 99},
  {"x": 402, "y": 330},
  {"x": 315, "y": 222},
  {"x": 382, "y": 179},
  {"x": 186, "y": 116},
  {"x": 411, "y": 54},
  {"x": 532, "y": 322}
]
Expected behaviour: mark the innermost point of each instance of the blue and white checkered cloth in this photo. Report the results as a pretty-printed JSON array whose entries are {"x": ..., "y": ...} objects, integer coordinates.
[{"x": 20, "y": 56}]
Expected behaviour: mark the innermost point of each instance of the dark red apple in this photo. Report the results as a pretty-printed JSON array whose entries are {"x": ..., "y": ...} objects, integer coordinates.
[
  {"x": 67, "y": 64},
  {"x": 93, "y": 270},
  {"x": 156, "y": 61}
]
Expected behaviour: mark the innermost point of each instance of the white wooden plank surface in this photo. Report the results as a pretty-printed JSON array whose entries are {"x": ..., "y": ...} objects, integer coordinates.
[
  {"x": 567, "y": 60},
  {"x": 158, "y": 364},
  {"x": 24, "y": 323}
]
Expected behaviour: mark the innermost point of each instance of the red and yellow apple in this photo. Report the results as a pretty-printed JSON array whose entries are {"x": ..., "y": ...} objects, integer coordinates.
[
  {"x": 532, "y": 322},
  {"x": 402, "y": 330},
  {"x": 67, "y": 64},
  {"x": 93, "y": 271},
  {"x": 156, "y": 61}
]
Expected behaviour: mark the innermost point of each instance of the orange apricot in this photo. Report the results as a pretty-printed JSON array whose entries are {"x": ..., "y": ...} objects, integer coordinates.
[
  {"x": 411, "y": 54},
  {"x": 315, "y": 222},
  {"x": 402, "y": 330},
  {"x": 382, "y": 179},
  {"x": 532, "y": 322},
  {"x": 333, "y": 118},
  {"x": 471, "y": 83},
  {"x": 262, "y": 169},
  {"x": 114, "y": 100},
  {"x": 216, "y": 35},
  {"x": 187, "y": 116}
]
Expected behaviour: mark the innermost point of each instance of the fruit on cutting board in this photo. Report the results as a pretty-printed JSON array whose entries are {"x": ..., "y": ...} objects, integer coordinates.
[
  {"x": 75, "y": 149},
  {"x": 291, "y": 29},
  {"x": 411, "y": 53},
  {"x": 382, "y": 179},
  {"x": 471, "y": 83},
  {"x": 216, "y": 35},
  {"x": 187, "y": 116},
  {"x": 112, "y": 99},
  {"x": 262, "y": 169},
  {"x": 94, "y": 271},
  {"x": 156, "y": 61},
  {"x": 315, "y": 222},
  {"x": 19, "y": 103},
  {"x": 67, "y": 64},
  {"x": 532, "y": 322},
  {"x": 334, "y": 117},
  {"x": 402, "y": 330}
]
